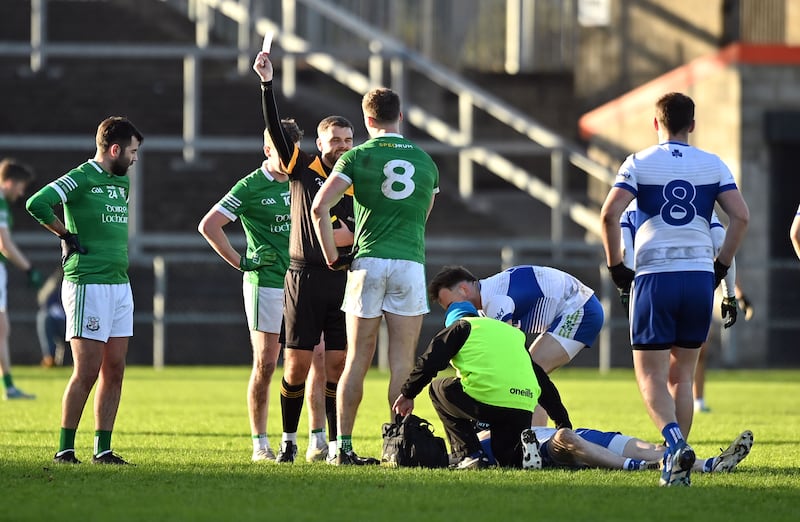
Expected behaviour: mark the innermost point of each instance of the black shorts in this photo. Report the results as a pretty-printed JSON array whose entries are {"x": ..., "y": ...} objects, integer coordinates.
[{"x": 312, "y": 306}]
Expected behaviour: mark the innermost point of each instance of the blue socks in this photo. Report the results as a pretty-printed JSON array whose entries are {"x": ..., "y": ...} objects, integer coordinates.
[{"x": 673, "y": 436}]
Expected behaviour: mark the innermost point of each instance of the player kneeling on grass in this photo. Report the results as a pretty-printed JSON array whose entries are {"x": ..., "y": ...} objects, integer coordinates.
[
  {"x": 495, "y": 383},
  {"x": 588, "y": 448}
]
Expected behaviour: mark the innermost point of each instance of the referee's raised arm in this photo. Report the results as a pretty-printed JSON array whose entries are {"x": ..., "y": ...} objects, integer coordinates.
[{"x": 272, "y": 120}]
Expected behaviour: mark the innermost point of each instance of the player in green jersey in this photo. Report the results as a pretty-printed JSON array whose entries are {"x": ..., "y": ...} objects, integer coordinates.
[
  {"x": 394, "y": 184},
  {"x": 261, "y": 200},
  {"x": 14, "y": 179},
  {"x": 96, "y": 291}
]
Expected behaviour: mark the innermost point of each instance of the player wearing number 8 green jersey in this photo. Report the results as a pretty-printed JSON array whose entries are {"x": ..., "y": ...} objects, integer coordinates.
[
  {"x": 96, "y": 291},
  {"x": 394, "y": 183},
  {"x": 390, "y": 212}
]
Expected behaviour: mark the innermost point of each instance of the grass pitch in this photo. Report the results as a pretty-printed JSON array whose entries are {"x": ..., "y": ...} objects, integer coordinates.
[{"x": 186, "y": 430}]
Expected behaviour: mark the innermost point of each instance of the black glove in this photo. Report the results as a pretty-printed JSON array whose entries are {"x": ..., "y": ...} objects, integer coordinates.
[
  {"x": 342, "y": 262},
  {"x": 263, "y": 256},
  {"x": 69, "y": 246},
  {"x": 729, "y": 311},
  {"x": 720, "y": 271},
  {"x": 35, "y": 278},
  {"x": 622, "y": 277}
]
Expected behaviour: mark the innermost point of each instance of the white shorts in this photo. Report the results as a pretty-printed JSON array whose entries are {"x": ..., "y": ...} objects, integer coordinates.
[
  {"x": 3, "y": 287},
  {"x": 264, "y": 307},
  {"x": 378, "y": 285},
  {"x": 97, "y": 312},
  {"x": 571, "y": 346}
]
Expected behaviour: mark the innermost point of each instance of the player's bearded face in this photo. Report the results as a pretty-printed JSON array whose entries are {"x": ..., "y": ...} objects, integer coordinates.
[
  {"x": 335, "y": 142},
  {"x": 121, "y": 164},
  {"x": 119, "y": 167}
]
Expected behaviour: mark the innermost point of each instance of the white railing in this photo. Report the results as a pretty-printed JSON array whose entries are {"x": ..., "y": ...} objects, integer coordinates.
[
  {"x": 386, "y": 50},
  {"x": 384, "y": 53},
  {"x": 383, "y": 50}
]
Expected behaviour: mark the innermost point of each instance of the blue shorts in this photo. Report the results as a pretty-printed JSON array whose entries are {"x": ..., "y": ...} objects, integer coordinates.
[
  {"x": 671, "y": 309},
  {"x": 582, "y": 325},
  {"x": 601, "y": 438}
]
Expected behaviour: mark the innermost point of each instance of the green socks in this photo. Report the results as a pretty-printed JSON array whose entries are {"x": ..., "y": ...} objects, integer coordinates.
[
  {"x": 345, "y": 443},
  {"x": 102, "y": 442},
  {"x": 66, "y": 440}
]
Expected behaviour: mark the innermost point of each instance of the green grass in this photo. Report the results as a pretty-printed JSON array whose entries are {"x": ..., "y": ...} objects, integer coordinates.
[{"x": 187, "y": 431}]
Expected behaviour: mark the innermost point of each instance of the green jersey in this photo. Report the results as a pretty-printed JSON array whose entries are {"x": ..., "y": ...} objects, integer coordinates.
[
  {"x": 393, "y": 184},
  {"x": 262, "y": 203},
  {"x": 6, "y": 219},
  {"x": 96, "y": 209}
]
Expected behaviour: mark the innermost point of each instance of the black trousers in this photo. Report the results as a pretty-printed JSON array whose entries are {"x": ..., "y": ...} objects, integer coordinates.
[{"x": 458, "y": 413}]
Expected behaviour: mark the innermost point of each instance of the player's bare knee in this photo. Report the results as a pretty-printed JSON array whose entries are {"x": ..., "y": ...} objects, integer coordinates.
[
  {"x": 267, "y": 368},
  {"x": 565, "y": 437}
]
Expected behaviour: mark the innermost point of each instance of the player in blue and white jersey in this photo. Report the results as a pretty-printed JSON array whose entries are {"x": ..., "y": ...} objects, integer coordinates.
[
  {"x": 729, "y": 307},
  {"x": 539, "y": 299},
  {"x": 717, "y": 231},
  {"x": 675, "y": 268},
  {"x": 564, "y": 312}
]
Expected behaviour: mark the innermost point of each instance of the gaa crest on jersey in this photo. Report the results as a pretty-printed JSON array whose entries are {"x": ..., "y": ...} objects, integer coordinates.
[{"x": 92, "y": 323}]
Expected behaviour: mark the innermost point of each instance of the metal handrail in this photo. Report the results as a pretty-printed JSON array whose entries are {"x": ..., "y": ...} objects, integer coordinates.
[
  {"x": 382, "y": 47},
  {"x": 471, "y": 96}
]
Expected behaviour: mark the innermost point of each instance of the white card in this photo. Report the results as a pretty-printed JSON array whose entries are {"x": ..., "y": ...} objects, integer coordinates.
[{"x": 265, "y": 47}]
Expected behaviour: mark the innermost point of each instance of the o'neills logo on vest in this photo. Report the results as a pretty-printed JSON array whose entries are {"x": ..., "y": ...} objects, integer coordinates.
[{"x": 525, "y": 393}]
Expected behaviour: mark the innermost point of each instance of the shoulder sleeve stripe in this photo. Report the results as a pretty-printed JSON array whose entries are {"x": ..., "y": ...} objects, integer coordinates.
[
  {"x": 225, "y": 212},
  {"x": 68, "y": 182},
  {"x": 231, "y": 200},
  {"x": 61, "y": 194}
]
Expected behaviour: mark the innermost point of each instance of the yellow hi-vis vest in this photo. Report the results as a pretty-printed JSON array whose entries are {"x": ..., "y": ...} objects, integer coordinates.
[{"x": 495, "y": 367}]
